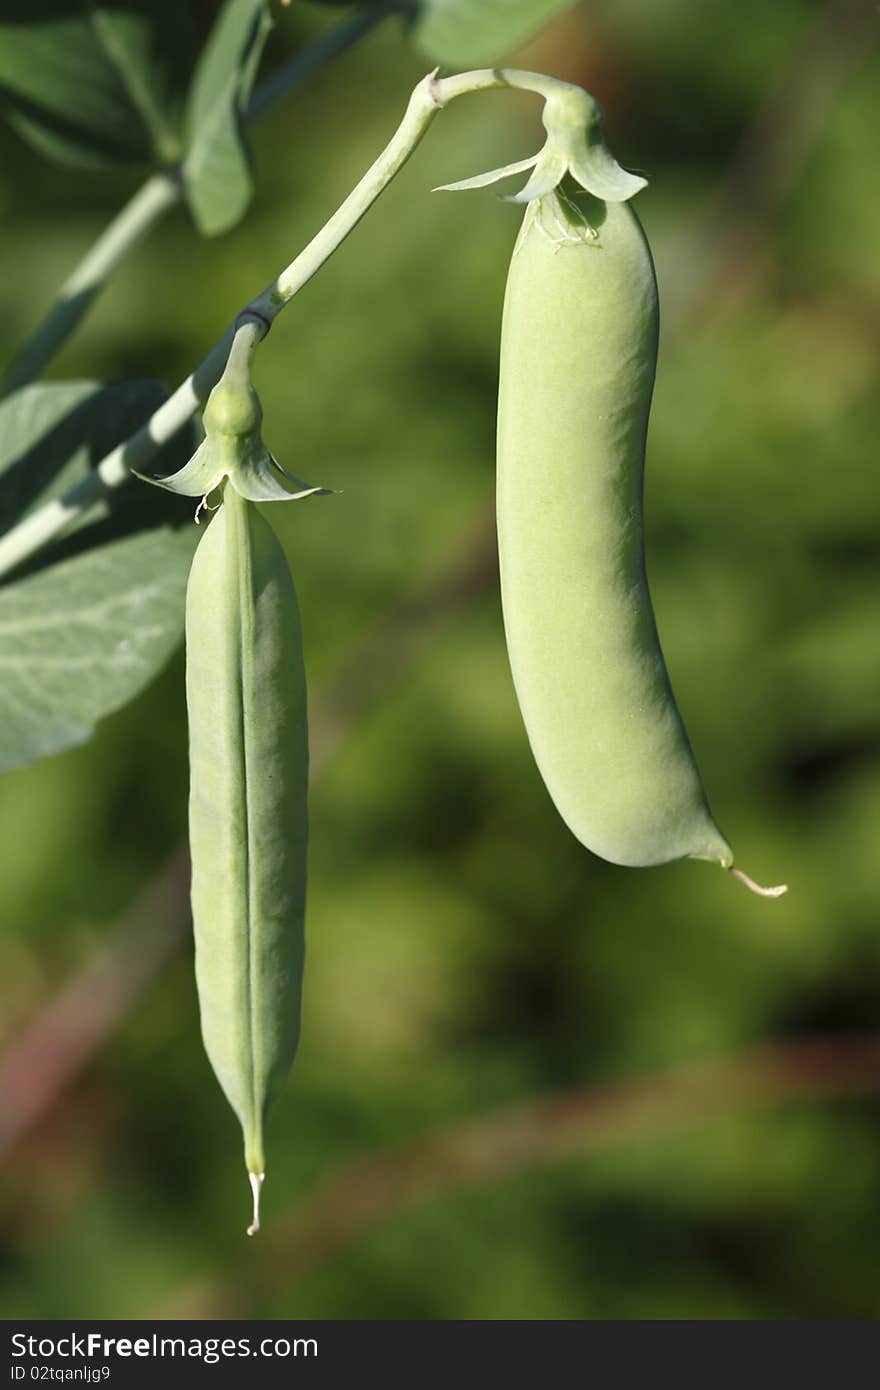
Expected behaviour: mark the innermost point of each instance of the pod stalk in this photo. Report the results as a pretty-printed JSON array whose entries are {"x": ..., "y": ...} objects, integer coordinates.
[
  {"x": 256, "y": 1181},
  {"x": 753, "y": 887}
]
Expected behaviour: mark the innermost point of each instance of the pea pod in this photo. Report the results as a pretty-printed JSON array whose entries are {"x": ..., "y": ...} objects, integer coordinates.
[
  {"x": 246, "y": 699},
  {"x": 578, "y": 353}
]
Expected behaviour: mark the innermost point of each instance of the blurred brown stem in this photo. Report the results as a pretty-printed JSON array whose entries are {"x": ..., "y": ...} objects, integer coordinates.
[
  {"x": 66, "y": 1033},
  {"x": 520, "y": 1138}
]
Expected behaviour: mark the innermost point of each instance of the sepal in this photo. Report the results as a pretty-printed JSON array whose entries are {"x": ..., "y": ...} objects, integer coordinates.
[{"x": 574, "y": 146}]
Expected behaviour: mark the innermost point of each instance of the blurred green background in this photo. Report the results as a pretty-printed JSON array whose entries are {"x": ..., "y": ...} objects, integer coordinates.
[{"x": 465, "y": 954}]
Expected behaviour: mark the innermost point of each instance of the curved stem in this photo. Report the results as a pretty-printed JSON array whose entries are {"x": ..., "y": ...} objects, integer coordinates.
[
  {"x": 775, "y": 892},
  {"x": 495, "y": 79},
  {"x": 430, "y": 96},
  {"x": 161, "y": 192},
  {"x": 420, "y": 112}
]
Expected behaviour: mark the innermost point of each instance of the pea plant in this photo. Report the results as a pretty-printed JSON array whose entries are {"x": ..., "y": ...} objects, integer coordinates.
[{"x": 100, "y": 573}]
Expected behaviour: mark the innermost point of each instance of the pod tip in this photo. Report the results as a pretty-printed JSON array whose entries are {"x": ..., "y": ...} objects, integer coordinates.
[
  {"x": 771, "y": 892},
  {"x": 256, "y": 1182}
]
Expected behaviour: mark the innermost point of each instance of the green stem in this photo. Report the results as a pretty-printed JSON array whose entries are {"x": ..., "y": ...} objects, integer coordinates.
[
  {"x": 155, "y": 197},
  {"x": 430, "y": 96},
  {"x": 247, "y": 336},
  {"x": 158, "y": 195},
  {"x": 495, "y": 79}
]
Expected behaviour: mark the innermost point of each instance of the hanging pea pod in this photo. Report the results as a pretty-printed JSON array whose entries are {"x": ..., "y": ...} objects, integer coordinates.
[
  {"x": 579, "y": 344},
  {"x": 248, "y": 745},
  {"x": 578, "y": 354},
  {"x": 248, "y": 818}
]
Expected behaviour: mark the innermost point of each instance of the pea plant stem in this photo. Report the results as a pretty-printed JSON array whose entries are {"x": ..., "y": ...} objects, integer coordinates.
[
  {"x": 431, "y": 95},
  {"x": 161, "y": 192},
  {"x": 153, "y": 199}
]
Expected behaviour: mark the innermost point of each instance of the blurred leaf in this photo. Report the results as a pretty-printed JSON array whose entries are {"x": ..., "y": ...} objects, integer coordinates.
[
  {"x": 52, "y": 433},
  {"x": 41, "y": 433},
  {"x": 461, "y": 33},
  {"x": 98, "y": 614},
  {"x": 82, "y": 637},
  {"x": 217, "y": 168},
  {"x": 97, "y": 85}
]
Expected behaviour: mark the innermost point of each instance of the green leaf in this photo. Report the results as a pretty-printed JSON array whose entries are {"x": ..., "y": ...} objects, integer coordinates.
[
  {"x": 96, "y": 615},
  {"x": 97, "y": 84},
  {"x": 42, "y": 436},
  {"x": 470, "y": 33},
  {"x": 84, "y": 636},
  {"x": 52, "y": 433},
  {"x": 217, "y": 167}
]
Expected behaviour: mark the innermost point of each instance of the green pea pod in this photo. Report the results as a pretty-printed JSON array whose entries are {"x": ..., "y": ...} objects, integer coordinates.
[
  {"x": 246, "y": 698},
  {"x": 579, "y": 347}
]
